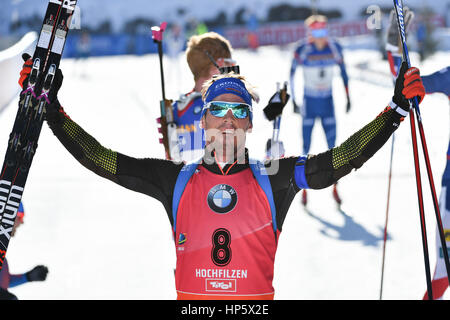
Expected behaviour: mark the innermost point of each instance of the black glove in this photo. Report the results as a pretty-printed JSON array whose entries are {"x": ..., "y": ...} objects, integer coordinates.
[
  {"x": 6, "y": 295},
  {"x": 55, "y": 85},
  {"x": 276, "y": 105},
  {"x": 407, "y": 86},
  {"x": 348, "y": 105},
  {"x": 38, "y": 273}
]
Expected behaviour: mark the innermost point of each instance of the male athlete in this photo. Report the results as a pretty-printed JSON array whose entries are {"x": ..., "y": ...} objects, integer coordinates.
[
  {"x": 204, "y": 54},
  {"x": 227, "y": 210},
  {"x": 318, "y": 56}
]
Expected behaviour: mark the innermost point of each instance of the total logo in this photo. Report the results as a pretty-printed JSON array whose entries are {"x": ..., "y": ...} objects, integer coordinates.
[
  {"x": 222, "y": 198},
  {"x": 222, "y": 285}
]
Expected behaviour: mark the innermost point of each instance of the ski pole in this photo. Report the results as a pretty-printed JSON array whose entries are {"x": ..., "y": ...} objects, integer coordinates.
[
  {"x": 387, "y": 215},
  {"x": 168, "y": 127},
  {"x": 277, "y": 121},
  {"x": 273, "y": 112},
  {"x": 421, "y": 206},
  {"x": 399, "y": 11},
  {"x": 157, "y": 35}
]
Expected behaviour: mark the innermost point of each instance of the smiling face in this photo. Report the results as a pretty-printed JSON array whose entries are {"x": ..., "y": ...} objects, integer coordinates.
[{"x": 227, "y": 135}]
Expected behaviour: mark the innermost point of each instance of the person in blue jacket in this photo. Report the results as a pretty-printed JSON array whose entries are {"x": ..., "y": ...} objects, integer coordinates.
[
  {"x": 8, "y": 280},
  {"x": 318, "y": 55},
  {"x": 204, "y": 54}
]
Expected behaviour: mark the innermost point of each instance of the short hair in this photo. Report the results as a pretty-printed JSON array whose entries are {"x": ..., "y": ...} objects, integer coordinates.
[
  {"x": 315, "y": 18},
  {"x": 251, "y": 89},
  {"x": 213, "y": 43}
]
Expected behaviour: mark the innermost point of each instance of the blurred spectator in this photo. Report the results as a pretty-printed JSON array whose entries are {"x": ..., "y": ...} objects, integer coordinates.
[
  {"x": 84, "y": 45},
  {"x": 83, "y": 51},
  {"x": 201, "y": 28},
  {"x": 252, "y": 25},
  {"x": 447, "y": 15},
  {"x": 421, "y": 35},
  {"x": 175, "y": 42},
  {"x": 426, "y": 43}
]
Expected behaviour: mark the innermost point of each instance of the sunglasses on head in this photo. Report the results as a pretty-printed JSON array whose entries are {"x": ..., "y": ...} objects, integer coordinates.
[
  {"x": 220, "y": 108},
  {"x": 224, "y": 65},
  {"x": 226, "y": 62}
]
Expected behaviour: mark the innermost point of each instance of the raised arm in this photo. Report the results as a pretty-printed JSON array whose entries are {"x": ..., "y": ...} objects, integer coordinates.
[
  {"x": 322, "y": 170},
  {"x": 153, "y": 177}
]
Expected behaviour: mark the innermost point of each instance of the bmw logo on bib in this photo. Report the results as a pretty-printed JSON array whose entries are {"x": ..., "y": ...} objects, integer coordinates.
[{"x": 222, "y": 198}]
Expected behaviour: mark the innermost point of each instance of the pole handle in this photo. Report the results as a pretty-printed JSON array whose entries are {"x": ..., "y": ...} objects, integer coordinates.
[{"x": 157, "y": 36}]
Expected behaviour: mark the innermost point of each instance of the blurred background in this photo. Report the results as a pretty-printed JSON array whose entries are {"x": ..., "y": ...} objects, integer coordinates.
[
  {"x": 111, "y": 27},
  {"x": 119, "y": 27}
]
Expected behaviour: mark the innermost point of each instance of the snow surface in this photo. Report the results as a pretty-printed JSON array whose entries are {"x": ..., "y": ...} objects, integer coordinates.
[{"x": 101, "y": 241}]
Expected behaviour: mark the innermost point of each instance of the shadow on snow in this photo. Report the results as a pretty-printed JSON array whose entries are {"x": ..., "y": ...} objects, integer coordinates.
[{"x": 350, "y": 230}]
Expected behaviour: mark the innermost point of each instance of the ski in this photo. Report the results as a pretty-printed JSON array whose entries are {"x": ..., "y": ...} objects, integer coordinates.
[
  {"x": 273, "y": 112},
  {"x": 22, "y": 143}
]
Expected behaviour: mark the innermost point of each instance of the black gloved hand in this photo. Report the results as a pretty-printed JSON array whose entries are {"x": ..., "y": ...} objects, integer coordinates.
[
  {"x": 407, "y": 86},
  {"x": 276, "y": 105},
  {"x": 38, "y": 273},
  {"x": 25, "y": 73}
]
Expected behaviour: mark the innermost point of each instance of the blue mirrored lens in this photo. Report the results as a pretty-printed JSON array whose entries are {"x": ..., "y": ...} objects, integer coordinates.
[{"x": 240, "y": 111}]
